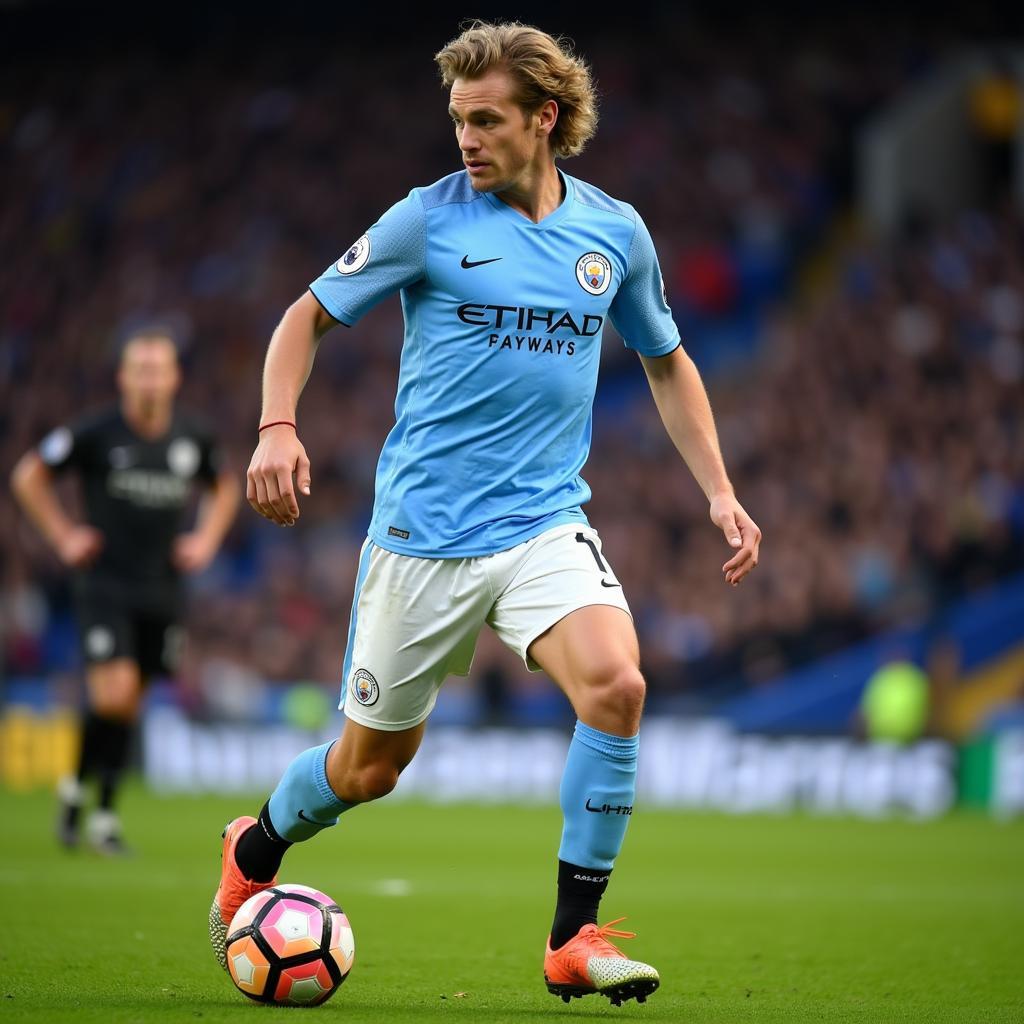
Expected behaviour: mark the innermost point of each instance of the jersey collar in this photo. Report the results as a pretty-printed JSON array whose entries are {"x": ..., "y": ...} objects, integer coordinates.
[{"x": 556, "y": 216}]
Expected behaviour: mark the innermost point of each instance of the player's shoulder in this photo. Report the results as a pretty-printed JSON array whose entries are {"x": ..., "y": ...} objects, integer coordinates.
[
  {"x": 89, "y": 431},
  {"x": 452, "y": 189},
  {"x": 596, "y": 199}
]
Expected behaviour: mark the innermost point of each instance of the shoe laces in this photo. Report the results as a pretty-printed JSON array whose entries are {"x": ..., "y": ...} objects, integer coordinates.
[{"x": 596, "y": 940}]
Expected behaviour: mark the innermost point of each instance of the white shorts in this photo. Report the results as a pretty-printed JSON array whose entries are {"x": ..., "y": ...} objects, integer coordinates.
[{"x": 415, "y": 621}]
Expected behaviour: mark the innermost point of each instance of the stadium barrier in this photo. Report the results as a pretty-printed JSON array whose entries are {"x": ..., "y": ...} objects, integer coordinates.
[{"x": 697, "y": 764}]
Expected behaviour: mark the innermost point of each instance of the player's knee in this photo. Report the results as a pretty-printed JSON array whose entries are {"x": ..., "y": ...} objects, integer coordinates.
[
  {"x": 116, "y": 705},
  {"x": 629, "y": 689},
  {"x": 617, "y": 692},
  {"x": 115, "y": 691},
  {"x": 373, "y": 781}
]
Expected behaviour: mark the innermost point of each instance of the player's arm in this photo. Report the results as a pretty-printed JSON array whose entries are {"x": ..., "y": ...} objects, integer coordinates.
[
  {"x": 279, "y": 455},
  {"x": 32, "y": 484},
  {"x": 686, "y": 412},
  {"x": 642, "y": 315},
  {"x": 390, "y": 256},
  {"x": 194, "y": 551}
]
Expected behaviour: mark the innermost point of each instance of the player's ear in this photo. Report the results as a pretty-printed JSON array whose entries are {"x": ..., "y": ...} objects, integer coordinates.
[{"x": 547, "y": 117}]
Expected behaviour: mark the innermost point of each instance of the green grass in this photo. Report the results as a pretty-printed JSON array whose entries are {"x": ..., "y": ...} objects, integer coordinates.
[{"x": 748, "y": 919}]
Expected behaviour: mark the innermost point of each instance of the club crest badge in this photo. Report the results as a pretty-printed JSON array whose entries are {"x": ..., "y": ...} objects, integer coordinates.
[
  {"x": 594, "y": 273},
  {"x": 356, "y": 258},
  {"x": 364, "y": 688},
  {"x": 183, "y": 457}
]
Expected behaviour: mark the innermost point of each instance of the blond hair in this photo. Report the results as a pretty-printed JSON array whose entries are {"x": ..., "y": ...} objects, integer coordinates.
[{"x": 542, "y": 68}]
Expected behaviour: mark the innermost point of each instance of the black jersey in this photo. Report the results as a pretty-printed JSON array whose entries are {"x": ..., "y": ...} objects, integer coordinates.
[{"x": 136, "y": 494}]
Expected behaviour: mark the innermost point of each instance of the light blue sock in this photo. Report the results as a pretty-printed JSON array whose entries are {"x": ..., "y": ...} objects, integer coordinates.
[
  {"x": 304, "y": 803},
  {"x": 597, "y": 796}
]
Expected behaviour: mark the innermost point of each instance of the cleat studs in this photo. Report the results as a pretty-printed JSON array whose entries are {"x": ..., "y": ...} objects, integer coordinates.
[{"x": 566, "y": 998}]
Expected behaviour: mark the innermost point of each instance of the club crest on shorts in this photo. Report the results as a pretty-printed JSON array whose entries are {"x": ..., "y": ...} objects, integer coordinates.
[
  {"x": 364, "y": 688},
  {"x": 594, "y": 273},
  {"x": 356, "y": 257},
  {"x": 99, "y": 642}
]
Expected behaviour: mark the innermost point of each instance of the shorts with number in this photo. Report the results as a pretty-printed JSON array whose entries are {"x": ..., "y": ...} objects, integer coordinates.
[{"x": 415, "y": 621}]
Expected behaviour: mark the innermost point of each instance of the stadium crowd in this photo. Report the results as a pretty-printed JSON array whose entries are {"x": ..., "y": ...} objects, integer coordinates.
[{"x": 876, "y": 433}]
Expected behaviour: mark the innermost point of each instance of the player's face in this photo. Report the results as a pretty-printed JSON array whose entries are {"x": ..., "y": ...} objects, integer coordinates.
[
  {"x": 149, "y": 371},
  {"x": 501, "y": 145}
]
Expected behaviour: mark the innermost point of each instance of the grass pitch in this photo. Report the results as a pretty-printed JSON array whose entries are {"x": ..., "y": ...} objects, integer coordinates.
[{"x": 761, "y": 919}]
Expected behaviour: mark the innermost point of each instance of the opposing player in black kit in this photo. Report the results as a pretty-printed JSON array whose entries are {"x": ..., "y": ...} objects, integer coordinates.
[{"x": 138, "y": 463}]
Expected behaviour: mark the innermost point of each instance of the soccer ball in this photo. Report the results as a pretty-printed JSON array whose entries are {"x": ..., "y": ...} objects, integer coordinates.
[{"x": 290, "y": 945}]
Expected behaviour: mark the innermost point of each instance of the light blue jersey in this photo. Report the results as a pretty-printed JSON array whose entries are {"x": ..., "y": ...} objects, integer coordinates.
[{"x": 503, "y": 324}]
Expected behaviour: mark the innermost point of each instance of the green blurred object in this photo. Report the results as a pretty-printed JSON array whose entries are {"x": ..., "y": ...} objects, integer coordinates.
[
  {"x": 307, "y": 706},
  {"x": 976, "y": 772},
  {"x": 895, "y": 703}
]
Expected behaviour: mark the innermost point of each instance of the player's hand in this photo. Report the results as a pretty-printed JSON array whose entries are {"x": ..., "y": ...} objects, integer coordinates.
[
  {"x": 192, "y": 552},
  {"x": 279, "y": 466},
  {"x": 742, "y": 534},
  {"x": 80, "y": 546}
]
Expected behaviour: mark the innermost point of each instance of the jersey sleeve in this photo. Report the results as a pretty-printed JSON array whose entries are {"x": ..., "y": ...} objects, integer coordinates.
[
  {"x": 640, "y": 309},
  {"x": 390, "y": 256},
  {"x": 67, "y": 447}
]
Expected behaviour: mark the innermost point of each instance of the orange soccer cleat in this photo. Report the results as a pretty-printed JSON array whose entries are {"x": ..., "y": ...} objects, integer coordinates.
[
  {"x": 589, "y": 963},
  {"x": 234, "y": 888}
]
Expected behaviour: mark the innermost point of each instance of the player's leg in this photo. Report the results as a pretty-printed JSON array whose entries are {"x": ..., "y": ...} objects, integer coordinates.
[
  {"x": 414, "y": 622},
  {"x": 115, "y": 693},
  {"x": 113, "y": 684},
  {"x": 565, "y": 613},
  {"x": 316, "y": 789},
  {"x": 593, "y": 655},
  {"x": 319, "y": 786}
]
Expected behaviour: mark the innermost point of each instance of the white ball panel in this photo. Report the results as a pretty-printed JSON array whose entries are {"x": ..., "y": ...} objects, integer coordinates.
[{"x": 245, "y": 969}]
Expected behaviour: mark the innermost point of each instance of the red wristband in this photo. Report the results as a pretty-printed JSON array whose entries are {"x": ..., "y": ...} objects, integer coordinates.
[{"x": 278, "y": 423}]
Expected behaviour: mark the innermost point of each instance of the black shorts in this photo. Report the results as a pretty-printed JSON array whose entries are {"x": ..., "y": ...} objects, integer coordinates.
[{"x": 110, "y": 629}]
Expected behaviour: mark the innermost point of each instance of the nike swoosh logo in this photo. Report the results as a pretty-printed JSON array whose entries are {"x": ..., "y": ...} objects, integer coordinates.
[
  {"x": 468, "y": 265},
  {"x": 605, "y": 583},
  {"x": 312, "y": 821}
]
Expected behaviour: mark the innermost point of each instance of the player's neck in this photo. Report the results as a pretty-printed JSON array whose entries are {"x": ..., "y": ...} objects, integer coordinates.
[
  {"x": 148, "y": 420},
  {"x": 538, "y": 196}
]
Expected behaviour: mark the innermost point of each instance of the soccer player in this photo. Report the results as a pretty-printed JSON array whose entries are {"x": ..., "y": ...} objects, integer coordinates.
[
  {"x": 138, "y": 463},
  {"x": 508, "y": 270}
]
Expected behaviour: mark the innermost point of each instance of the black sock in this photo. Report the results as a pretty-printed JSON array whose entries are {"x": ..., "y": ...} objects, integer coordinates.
[
  {"x": 94, "y": 731},
  {"x": 112, "y": 759},
  {"x": 94, "y": 737},
  {"x": 72, "y": 816},
  {"x": 260, "y": 851},
  {"x": 579, "y": 893}
]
